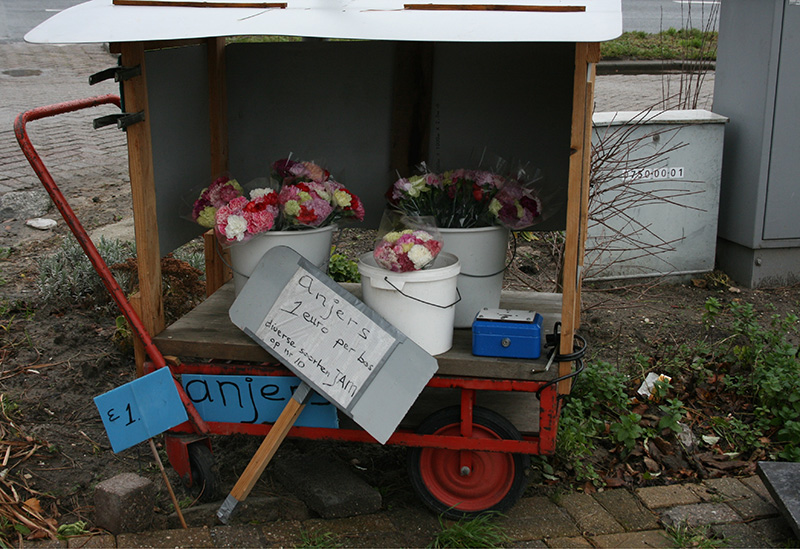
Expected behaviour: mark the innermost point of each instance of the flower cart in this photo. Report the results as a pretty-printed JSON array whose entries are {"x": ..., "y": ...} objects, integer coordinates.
[{"x": 413, "y": 82}]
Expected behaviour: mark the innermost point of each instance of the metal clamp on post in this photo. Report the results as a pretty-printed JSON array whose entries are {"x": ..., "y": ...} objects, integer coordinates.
[
  {"x": 576, "y": 356},
  {"x": 122, "y": 120},
  {"x": 117, "y": 73}
]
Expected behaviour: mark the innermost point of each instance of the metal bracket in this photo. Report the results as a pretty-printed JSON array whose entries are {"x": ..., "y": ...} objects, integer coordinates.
[
  {"x": 117, "y": 73},
  {"x": 122, "y": 120}
]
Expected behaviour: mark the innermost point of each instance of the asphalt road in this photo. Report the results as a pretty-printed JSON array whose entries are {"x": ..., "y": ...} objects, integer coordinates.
[{"x": 19, "y": 16}]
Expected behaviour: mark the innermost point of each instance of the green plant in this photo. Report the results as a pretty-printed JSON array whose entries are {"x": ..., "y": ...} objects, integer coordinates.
[
  {"x": 481, "y": 531},
  {"x": 67, "y": 275},
  {"x": 683, "y": 535},
  {"x": 342, "y": 269},
  {"x": 738, "y": 434},
  {"x": 317, "y": 538},
  {"x": 73, "y": 529},
  {"x": 770, "y": 370},
  {"x": 712, "y": 309},
  {"x": 673, "y": 413},
  {"x": 597, "y": 398},
  {"x": 627, "y": 430}
]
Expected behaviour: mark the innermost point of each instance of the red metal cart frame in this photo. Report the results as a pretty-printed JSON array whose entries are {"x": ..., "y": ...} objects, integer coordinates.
[{"x": 464, "y": 460}]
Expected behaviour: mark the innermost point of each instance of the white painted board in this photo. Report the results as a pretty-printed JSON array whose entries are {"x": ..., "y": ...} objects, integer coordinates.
[
  {"x": 332, "y": 341},
  {"x": 102, "y": 21}
]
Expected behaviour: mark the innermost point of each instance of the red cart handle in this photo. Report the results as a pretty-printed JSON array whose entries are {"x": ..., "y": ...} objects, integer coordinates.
[{"x": 83, "y": 237}]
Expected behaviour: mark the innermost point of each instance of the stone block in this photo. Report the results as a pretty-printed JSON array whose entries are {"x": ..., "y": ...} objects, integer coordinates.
[
  {"x": 699, "y": 514},
  {"x": 782, "y": 479},
  {"x": 238, "y": 536},
  {"x": 536, "y": 518},
  {"x": 167, "y": 539},
  {"x": 753, "y": 508},
  {"x": 738, "y": 535},
  {"x": 722, "y": 489},
  {"x": 590, "y": 516},
  {"x": 569, "y": 543},
  {"x": 24, "y": 204},
  {"x": 627, "y": 509},
  {"x": 656, "y": 497},
  {"x": 124, "y": 503},
  {"x": 328, "y": 486},
  {"x": 646, "y": 538}
]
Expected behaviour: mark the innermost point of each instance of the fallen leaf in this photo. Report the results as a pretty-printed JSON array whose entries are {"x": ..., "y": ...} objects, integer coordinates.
[{"x": 34, "y": 505}]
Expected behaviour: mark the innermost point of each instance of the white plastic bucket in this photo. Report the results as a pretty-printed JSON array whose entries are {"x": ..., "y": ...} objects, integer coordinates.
[
  {"x": 421, "y": 304},
  {"x": 313, "y": 244},
  {"x": 482, "y": 253}
]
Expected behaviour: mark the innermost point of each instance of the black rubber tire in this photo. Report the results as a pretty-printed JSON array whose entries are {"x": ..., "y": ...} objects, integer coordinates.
[
  {"x": 506, "y": 473},
  {"x": 205, "y": 476}
]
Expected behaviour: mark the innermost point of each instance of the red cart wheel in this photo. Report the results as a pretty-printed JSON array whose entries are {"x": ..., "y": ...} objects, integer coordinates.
[{"x": 496, "y": 479}]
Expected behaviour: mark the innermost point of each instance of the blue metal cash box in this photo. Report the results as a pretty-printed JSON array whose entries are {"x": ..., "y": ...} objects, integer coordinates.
[{"x": 507, "y": 333}]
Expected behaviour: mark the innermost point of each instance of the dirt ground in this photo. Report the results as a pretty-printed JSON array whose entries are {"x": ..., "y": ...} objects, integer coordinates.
[{"x": 55, "y": 359}]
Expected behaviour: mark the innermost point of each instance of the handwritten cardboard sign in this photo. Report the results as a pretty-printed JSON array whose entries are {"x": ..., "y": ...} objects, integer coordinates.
[
  {"x": 336, "y": 348},
  {"x": 332, "y": 341},
  {"x": 141, "y": 409},
  {"x": 253, "y": 399}
]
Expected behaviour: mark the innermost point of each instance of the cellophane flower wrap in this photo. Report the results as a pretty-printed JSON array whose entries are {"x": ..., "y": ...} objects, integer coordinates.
[
  {"x": 467, "y": 198},
  {"x": 517, "y": 204},
  {"x": 299, "y": 195},
  {"x": 409, "y": 244},
  {"x": 310, "y": 197}
]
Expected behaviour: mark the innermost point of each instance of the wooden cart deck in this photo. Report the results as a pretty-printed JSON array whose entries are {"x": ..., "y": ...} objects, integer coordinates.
[{"x": 207, "y": 333}]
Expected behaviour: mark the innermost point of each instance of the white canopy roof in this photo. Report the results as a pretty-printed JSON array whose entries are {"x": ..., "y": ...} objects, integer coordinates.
[{"x": 445, "y": 20}]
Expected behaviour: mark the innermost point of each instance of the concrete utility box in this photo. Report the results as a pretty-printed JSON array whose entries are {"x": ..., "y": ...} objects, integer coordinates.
[
  {"x": 756, "y": 86},
  {"x": 655, "y": 193}
]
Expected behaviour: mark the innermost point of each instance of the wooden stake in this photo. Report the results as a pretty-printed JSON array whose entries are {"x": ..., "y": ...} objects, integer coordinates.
[
  {"x": 265, "y": 452},
  {"x": 166, "y": 481}
]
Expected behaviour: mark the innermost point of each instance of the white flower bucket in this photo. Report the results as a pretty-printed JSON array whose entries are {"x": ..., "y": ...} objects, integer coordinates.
[
  {"x": 421, "y": 304},
  {"x": 313, "y": 244},
  {"x": 482, "y": 253}
]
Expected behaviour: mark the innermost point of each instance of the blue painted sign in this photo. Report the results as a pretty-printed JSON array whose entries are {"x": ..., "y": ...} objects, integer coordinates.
[
  {"x": 141, "y": 409},
  {"x": 253, "y": 399}
]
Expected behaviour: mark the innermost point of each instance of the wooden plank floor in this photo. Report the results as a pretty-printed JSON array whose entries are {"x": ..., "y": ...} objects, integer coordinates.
[{"x": 207, "y": 333}]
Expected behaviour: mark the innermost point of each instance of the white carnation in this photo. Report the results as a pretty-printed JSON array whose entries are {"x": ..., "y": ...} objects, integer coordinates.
[
  {"x": 236, "y": 227},
  {"x": 420, "y": 256}
]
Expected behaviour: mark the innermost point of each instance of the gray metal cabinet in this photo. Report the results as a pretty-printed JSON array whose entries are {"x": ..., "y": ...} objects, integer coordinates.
[{"x": 756, "y": 86}]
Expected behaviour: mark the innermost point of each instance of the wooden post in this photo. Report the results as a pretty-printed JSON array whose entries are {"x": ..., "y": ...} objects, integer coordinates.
[
  {"x": 576, "y": 207},
  {"x": 140, "y": 160},
  {"x": 593, "y": 57},
  {"x": 216, "y": 271}
]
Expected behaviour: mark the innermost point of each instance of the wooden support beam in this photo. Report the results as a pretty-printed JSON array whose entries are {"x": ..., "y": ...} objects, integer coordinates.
[
  {"x": 217, "y": 273},
  {"x": 218, "y": 106},
  {"x": 143, "y": 192},
  {"x": 576, "y": 207}
]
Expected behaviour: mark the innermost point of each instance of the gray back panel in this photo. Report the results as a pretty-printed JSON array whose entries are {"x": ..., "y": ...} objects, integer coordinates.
[{"x": 177, "y": 88}]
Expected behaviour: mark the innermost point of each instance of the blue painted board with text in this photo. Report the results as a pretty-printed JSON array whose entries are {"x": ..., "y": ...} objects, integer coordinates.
[
  {"x": 253, "y": 399},
  {"x": 141, "y": 409}
]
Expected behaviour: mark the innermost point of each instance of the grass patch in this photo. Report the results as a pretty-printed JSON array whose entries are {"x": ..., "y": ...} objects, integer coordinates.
[
  {"x": 683, "y": 44},
  {"x": 481, "y": 531}
]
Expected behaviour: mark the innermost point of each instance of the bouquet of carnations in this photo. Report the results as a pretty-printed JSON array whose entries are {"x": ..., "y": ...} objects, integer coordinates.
[
  {"x": 221, "y": 191},
  {"x": 410, "y": 245},
  {"x": 464, "y": 198},
  {"x": 300, "y": 195}
]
